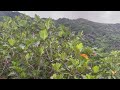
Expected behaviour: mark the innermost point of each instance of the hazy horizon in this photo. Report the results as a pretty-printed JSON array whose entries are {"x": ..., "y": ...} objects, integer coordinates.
[{"x": 96, "y": 16}]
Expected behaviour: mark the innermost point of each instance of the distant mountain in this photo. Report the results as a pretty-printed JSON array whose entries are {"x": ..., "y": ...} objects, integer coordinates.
[
  {"x": 9, "y": 13},
  {"x": 95, "y": 34}
]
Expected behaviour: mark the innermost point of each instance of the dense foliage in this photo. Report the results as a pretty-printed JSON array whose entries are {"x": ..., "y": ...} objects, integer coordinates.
[
  {"x": 38, "y": 49},
  {"x": 100, "y": 35}
]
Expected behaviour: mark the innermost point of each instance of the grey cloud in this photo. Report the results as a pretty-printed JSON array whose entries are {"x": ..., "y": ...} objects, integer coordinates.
[{"x": 97, "y": 16}]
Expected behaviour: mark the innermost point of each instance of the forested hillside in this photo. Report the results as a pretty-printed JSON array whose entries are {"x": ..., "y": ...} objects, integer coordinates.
[{"x": 95, "y": 34}]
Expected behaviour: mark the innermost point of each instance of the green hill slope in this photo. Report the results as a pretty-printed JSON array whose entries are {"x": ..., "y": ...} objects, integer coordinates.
[{"x": 97, "y": 34}]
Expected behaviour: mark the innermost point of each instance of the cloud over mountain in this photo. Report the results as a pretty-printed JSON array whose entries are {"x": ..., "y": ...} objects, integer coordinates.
[{"x": 97, "y": 16}]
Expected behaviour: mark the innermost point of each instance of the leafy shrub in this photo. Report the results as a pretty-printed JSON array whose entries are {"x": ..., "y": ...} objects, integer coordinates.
[{"x": 37, "y": 49}]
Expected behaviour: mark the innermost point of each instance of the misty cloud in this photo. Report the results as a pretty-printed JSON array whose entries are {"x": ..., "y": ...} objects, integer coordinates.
[{"x": 97, "y": 16}]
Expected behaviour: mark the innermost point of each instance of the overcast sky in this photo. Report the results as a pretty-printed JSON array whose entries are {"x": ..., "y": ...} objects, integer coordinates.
[{"x": 97, "y": 16}]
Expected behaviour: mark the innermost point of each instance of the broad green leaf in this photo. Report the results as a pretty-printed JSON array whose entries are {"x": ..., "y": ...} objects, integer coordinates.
[
  {"x": 70, "y": 66},
  {"x": 23, "y": 34},
  {"x": 18, "y": 69},
  {"x": 61, "y": 27},
  {"x": 43, "y": 34},
  {"x": 70, "y": 45},
  {"x": 23, "y": 75},
  {"x": 10, "y": 21},
  {"x": 22, "y": 46},
  {"x": 41, "y": 50},
  {"x": 81, "y": 33},
  {"x": 79, "y": 46},
  {"x": 95, "y": 69},
  {"x": 15, "y": 63},
  {"x": 11, "y": 41},
  {"x": 60, "y": 76},
  {"x": 74, "y": 62},
  {"x": 61, "y": 33},
  {"x": 89, "y": 76},
  {"x": 5, "y": 18},
  {"x": 37, "y": 18},
  {"x": 47, "y": 23},
  {"x": 56, "y": 66},
  {"x": 27, "y": 56},
  {"x": 63, "y": 55},
  {"x": 22, "y": 22},
  {"x": 55, "y": 76}
]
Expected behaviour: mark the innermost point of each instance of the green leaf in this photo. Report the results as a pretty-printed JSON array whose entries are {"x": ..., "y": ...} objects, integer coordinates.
[
  {"x": 95, "y": 69},
  {"x": 70, "y": 45},
  {"x": 23, "y": 75},
  {"x": 10, "y": 21},
  {"x": 27, "y": 56},
  {"x": 22, "y": 22},
  {"x": 22, "y": 46},
  {"x": 89, "y": 76},
  {"x": 55, "y": 76},
  {"x": 41, "y": 50},
  {"x": 79, "y": 46},
  {"x": 56, "y": 66},
  {"x": 23, "y": 34},
  {"x": 17, "y": 69},
  {"x": 15, "y": 63},
  {"x": 61, "y": 33},
  {"x": 81, "y": 33},
  {"x": 47, "y": 23},
  {"x": 37, "y": 18},
  {"x": 63, "y": 55},
  {"x": 43, "y": 34},
  {"x": 11, "y": 41},
  {"x": 74, "y": 62}
]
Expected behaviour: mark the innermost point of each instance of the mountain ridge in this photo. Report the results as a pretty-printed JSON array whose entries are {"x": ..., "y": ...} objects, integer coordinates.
[{"x": 97, "y": 34}]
